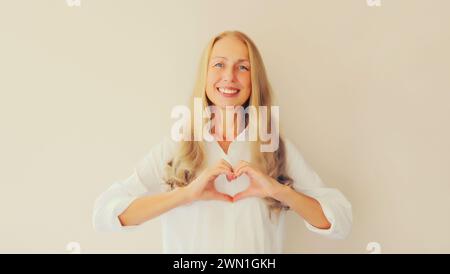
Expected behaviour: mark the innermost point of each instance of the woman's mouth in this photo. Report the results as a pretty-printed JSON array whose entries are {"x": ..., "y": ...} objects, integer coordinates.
[{"x": 228, "y": 92}]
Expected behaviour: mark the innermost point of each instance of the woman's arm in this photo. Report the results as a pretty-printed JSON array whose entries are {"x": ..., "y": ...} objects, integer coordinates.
[
  {"x": 307, "y": 207},
  {"x": 325, "y": 210},
  {"x": 148, "y": 207},
  {"x": 145, "y": 208},
  {"x": 262, "y": 185},
  {"x": 306, "y": 182},
  {"x": 144, "y": 182}
]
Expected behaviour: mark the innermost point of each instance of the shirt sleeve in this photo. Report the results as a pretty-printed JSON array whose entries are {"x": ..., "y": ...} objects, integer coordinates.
[
  {"x": 335, "y": 206},
  {"x": 146, "y": 179}
]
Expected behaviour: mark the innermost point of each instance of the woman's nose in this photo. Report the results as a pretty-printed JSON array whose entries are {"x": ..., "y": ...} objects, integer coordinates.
[{"x": 228, "y": 74}]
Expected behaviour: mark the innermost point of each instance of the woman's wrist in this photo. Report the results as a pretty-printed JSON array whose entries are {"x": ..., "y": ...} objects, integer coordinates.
[
  {"x": 279, "y": 191},
  {"x": 183, "y": 195}
]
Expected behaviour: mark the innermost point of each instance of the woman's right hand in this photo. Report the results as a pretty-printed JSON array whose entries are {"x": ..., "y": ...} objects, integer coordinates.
[{"x": 202, "y": 187}]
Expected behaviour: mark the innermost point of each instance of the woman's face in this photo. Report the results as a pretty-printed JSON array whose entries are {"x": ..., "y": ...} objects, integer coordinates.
[{"x": 228, "y": 79}]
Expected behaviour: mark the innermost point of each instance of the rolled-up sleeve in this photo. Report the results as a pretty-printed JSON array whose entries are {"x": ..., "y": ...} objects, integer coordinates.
[
  {"x": 146, "y": 179},
  {"x": 336, "y": 207}
]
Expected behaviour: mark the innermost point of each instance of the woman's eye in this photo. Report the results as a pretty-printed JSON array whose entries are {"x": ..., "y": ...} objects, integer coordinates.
[
  {"x": 242, "y": 67},
  {"x": 218, "y": 65}
]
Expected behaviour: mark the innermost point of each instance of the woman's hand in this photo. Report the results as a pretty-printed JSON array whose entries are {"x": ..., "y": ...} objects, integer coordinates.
[
  {"x": 261, "y": 185},
  {"x": 202, "y": 188}
]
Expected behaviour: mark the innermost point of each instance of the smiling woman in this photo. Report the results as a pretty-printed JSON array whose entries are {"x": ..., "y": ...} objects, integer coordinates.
[
  {"x": 225, "y": 196},
  {"x": 229, "y": 79}
]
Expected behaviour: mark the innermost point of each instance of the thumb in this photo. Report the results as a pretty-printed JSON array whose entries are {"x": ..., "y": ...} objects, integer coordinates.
[
  {"x": 221, "y": 196},
  {"x": 244, "y": 194}
]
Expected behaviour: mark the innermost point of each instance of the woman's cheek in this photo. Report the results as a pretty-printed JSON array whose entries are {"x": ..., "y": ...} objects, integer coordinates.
[{"x": 246, "y": 82}]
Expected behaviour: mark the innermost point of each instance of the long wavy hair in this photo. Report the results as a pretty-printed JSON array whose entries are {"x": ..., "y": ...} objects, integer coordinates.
[{"x": 190, "y": 156}]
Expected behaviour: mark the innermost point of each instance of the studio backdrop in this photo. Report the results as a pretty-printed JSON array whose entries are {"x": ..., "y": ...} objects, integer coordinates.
[{"x": 87, "y": 88}]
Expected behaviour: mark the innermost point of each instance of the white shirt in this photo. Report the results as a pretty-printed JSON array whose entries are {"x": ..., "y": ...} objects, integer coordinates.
[{"x": 218, "y": 226}]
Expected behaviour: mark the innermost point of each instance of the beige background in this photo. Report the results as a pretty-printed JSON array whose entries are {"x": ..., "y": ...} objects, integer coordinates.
[{"x": 363, "y": 92}]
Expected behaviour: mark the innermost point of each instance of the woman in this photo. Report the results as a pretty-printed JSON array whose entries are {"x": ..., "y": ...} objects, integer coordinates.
[{"x": 225, "y": 196}]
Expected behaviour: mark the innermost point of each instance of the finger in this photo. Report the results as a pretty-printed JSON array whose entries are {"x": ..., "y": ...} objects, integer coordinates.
[
  {"x": 244, "y": 162},
  {"x": 230, "y": 177},
  {"x": 225, "y": 162},
  {"x": 240, "y": 164},
  {"x": 221, "y": 196},
  {"x": 242, "y": 195},
  {"x": 244, "y": 169},
  {"x": 223, "y": 170},
  {"x": 229, "y": 173},
  {"x": 220, "y": 170}
]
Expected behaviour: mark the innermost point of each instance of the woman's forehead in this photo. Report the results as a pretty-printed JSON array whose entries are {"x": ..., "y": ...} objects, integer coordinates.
[
  {"x": 227, "y": 59},
  {"x": 230, "y": 47}
]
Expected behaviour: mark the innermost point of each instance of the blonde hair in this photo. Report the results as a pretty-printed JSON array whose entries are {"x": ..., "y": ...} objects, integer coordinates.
[{"x": 189, "y": 159}]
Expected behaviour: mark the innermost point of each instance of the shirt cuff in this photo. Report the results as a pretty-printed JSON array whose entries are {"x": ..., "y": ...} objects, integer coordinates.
[
  {"x": 117, "y": 207},
  {"x": 330, "y": 217}
]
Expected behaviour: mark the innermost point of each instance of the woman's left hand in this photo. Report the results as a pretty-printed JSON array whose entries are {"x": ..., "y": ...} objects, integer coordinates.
[{"x": 261, "y": 185}]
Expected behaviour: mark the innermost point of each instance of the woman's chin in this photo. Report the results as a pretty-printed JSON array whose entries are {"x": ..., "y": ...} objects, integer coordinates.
[{"x": 224, "y": 105}]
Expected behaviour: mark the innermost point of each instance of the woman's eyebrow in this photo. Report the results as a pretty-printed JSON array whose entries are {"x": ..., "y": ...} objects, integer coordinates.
[{"x": 239, "y": 60}]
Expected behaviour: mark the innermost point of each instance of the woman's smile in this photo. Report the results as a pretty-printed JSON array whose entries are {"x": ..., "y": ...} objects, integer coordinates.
[{"x": 228, "y": 91}]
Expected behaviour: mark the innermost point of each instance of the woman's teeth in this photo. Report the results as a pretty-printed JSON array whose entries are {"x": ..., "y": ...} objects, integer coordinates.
[{"x": 228, "y": 91}]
